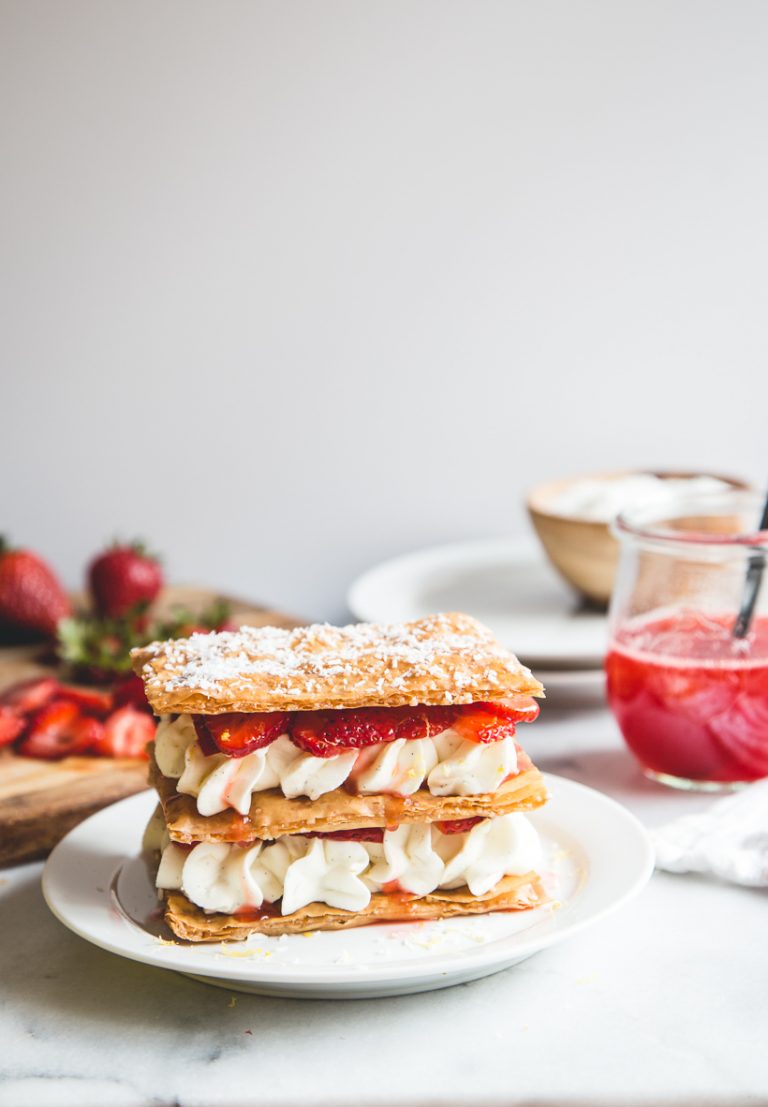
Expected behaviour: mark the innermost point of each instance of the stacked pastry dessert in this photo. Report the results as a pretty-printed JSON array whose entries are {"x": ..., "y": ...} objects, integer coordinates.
[{"x": 324, "y": 777}]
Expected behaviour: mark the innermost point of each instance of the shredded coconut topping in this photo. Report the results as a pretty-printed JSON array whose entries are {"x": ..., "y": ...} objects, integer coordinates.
[{"x": 443, "y": 658}]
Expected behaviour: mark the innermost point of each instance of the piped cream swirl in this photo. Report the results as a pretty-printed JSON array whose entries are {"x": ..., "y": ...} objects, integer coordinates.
[
  {"x": 298, "y": 870},
  {"x": 449, "y": 765}
]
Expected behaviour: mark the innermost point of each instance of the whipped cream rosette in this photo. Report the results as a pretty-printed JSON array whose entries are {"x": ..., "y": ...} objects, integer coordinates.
[{"x": 326, "y": 777}]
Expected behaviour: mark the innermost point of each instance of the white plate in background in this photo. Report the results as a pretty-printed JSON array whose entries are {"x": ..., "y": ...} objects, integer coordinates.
[
  {"x": 598, "y": 856},
  {"x": 505, "y": 583}
]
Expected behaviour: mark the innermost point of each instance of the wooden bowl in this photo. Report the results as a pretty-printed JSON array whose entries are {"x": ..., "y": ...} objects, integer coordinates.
[{"x": 584, "y": 551}]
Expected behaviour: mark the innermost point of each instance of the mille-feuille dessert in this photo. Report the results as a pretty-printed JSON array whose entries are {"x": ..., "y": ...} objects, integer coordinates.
[{"x": 324, "y": 778}]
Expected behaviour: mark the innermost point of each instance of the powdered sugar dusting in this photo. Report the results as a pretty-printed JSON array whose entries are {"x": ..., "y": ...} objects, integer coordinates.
[{"x": 447, "y": 655}]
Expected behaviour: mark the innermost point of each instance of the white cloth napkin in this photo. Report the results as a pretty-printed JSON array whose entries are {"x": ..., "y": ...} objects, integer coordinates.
[{"x": 729, "y": 840}]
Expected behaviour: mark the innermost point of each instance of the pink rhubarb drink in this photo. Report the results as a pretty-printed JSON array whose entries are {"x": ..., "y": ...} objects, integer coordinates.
[{"x": 690, "y": 699}]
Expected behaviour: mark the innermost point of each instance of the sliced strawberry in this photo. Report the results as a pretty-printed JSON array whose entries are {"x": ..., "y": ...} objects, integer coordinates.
[
  {"x": 88, "y": 700},
  {"x": 11, "y": 725},
  {"x": 423, "y": 722},
  {"x": 88, "y": 732},
  {"x": 480, "y": 723},
  {"x": 130, "y": 690},
  {"x": 58, "y": 730},
  {"x": 307, "y": 729},
  {"x": 239, "y": 734},
  {"x": 327, "y": 733},
  {"x": 518, "y": 709},
  {"x": 30, "y": 695},
  {"x": 205, "y": 742},
  {"x": 458, "y": 826},
  {"x": 126, "y": 733},
  {"x": 371, "y": 834},
  {"x": 356, "y": 729}
]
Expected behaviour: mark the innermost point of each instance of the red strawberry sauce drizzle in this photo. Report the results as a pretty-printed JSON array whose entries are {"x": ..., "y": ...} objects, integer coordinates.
[{"x": 328, "y": 733}]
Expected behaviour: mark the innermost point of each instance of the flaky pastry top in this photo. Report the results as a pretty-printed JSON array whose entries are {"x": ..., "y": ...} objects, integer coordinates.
[{"x": 442, "y": 659}]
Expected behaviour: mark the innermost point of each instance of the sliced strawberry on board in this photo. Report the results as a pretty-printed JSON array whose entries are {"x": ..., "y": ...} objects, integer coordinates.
[
  {"x": 30, "y": 695},
  {"x": 238, "y": 734},
  {"x": 11, "y": 725},
  {"x": 126, "y": 733},
  {"x": 130, "y": 689},
  {"x": 88, "y": 732},
  {"x": 88, "y": 700},
  {"x": 59, "y": 730}
]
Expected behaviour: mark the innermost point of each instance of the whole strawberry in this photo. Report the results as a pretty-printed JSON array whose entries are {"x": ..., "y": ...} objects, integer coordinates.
[
  {"x": 31, "y": 598},
  {"x": 124, "y": 579}
]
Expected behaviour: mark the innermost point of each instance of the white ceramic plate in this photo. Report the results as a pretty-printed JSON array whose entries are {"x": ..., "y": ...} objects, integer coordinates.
[
  {"x": 598, "y": 855},
  {"x": 506, "y": 583}
]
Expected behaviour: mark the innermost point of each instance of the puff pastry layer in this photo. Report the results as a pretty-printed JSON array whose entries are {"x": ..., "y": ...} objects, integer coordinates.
[
  {"x": 273, "y": 814},
  {"x": 512, "y": 893},
  {"x": 441, "y": 659}
]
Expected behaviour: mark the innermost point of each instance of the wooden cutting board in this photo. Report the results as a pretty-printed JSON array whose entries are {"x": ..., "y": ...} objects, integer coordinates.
[{"x": 40, "y": 801}]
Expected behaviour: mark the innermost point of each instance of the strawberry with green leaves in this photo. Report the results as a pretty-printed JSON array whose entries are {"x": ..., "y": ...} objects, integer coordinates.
[{"x": 124, "y": 579}]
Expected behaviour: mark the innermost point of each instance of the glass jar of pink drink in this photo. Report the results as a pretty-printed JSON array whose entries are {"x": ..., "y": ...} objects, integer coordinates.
[{"x": 689, "y": 695}]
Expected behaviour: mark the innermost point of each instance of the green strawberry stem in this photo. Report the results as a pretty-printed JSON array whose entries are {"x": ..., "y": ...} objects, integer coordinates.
[{"x": 100, "y": 647}]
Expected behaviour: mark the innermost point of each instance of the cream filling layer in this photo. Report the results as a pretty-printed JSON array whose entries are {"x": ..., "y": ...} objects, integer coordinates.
[
  {"x": 449, "y": 764},
  {"x": 299, "y": 870}
]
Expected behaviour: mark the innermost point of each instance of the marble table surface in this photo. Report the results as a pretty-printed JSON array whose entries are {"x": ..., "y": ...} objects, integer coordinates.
[{"x": 664, "y": 1002}]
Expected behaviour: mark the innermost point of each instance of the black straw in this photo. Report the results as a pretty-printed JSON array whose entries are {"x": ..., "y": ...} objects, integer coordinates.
[{"x": 752, "y": 582}]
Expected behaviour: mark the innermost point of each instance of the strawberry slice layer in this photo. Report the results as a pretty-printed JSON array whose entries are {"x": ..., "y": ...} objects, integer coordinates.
[
  {"x": 369, "y": 834},
  {"x": 328, "y": 733},
  {"x": 518, "y": 709},
  {"x": 239, "y": 734},
  {"x": 482, "y": 722},
  {"x": 458, "y": 826}
]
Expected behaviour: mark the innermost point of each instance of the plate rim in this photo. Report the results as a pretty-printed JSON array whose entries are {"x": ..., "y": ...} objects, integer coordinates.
[
  {"x": 520, "y": 546},
  {"x": 433, "y": 965},
  {"x": 523, "y": 549}
]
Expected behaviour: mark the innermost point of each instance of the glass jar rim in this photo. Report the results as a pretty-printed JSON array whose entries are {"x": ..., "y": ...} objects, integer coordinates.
[{"x": 646, "y": 523}]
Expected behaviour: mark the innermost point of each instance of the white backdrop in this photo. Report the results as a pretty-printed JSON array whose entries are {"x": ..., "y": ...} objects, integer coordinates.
[{"x": 291, "y": 287}]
